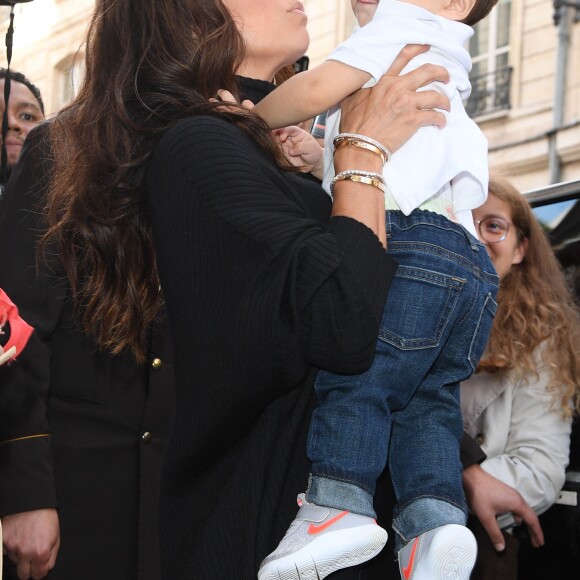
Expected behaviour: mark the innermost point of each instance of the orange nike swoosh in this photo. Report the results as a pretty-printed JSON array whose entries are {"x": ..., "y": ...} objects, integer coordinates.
[
  {"x": 408, "y": 570},
  {"x": 313, "y": 529}
]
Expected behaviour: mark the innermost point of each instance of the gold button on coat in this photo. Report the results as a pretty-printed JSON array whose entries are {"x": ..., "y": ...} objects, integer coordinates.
[
  {"x": 480, "y": 438},
  {"x": 156, "y": 363},
  {"x": 146, "y": 437}
]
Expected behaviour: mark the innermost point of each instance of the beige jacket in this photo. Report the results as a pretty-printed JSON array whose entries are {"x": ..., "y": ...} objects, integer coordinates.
[{"x": 525, "y": 437}]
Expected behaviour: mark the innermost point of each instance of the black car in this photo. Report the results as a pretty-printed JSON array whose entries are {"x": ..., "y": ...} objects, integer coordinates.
[{"x": 558, "y": 209}]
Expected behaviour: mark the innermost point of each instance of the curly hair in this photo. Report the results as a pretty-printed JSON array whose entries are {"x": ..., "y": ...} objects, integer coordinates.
[
  {"x": 537, "y": 322},
  {"x": 149, "y": 63}
]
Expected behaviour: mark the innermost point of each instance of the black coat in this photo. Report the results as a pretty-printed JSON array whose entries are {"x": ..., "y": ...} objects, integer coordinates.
[
  {"x": 79, "y": 430},
  {"x": 262, "y": 287}
]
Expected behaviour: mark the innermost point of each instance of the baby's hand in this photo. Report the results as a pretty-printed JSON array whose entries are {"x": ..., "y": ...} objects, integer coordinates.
[
  {"x": 227, "y": 97},
  {"x": 302, "y": 150}
]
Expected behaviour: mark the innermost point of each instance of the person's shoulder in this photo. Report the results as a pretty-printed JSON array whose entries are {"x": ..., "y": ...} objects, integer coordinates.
[
  {"x": 40, "y": 131},
  {"x": 205, "y": 137},
  {"x": 203, "y": 121},
  {"x": 202, "y": 129},
  {"x": 38, "y": 140},
  {"x": 206, "y": 141}
]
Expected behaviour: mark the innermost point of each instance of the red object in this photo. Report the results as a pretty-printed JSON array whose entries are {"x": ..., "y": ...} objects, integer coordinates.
[{"x": 20, "y": 331}]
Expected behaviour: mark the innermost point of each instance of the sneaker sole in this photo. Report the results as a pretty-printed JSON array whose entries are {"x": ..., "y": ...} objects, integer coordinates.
[
  {"x": 330, "y": 552},
  {"x": 452, "y": 556}
]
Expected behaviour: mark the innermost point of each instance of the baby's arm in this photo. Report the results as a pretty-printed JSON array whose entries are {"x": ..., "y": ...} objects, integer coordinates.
[
  {"x": 310, "y": 93},
  {"x": 302, "y": 150}
]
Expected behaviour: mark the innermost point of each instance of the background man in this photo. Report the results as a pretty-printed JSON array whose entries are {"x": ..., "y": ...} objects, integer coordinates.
[{"x": 25, "y": 111}]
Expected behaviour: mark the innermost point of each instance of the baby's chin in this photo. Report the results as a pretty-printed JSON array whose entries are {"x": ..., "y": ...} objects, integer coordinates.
[{"x": 365, "y": 13}]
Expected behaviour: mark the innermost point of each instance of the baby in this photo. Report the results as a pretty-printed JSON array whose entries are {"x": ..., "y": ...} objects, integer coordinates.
[{"x": 437, "y": 316}]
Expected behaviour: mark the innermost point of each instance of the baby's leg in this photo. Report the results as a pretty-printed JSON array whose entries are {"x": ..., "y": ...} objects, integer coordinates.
[{"x": 449, "y": 285}]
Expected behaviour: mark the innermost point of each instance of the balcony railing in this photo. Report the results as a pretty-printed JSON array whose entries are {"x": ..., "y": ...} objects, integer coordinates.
[{"x": 490, "y": 92}]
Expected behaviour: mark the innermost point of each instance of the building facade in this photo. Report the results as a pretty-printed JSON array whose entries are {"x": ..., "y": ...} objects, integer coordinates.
[
  {"x": 47, "y": 46},
  {"x": 526, "y": 74}
]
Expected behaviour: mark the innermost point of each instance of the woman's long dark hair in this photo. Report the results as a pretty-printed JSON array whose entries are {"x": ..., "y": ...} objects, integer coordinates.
[{"x": 149, "y": 63}]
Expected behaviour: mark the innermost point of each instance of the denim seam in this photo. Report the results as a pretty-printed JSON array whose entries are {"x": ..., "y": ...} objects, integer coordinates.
[
  {"x": 427, "y": 248},
  {"x": 476, "y": 300},
  {"x": 428, "y": 218},
  {"x": 484, "y": 310},
  {"x": 444, "y": 319},
  {"x": 421, "y": 217},
  {"x": 437, "y": 278}
]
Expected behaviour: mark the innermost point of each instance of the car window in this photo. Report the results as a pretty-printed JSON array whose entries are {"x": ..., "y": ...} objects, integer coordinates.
[
  {"x": 561, "y": 220},
  {"x": 558, "y": 210}
]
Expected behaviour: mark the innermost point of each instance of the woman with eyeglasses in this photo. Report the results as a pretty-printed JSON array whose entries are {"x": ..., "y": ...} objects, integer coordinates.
[{"x": 519, "y": 405}]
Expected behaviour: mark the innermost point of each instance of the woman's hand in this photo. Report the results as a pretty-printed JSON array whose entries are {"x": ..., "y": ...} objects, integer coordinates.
[
  {"x": 392, "y": 111},
  {"x": 32, "y": 541},
  {"x": 487, "y": 497}
]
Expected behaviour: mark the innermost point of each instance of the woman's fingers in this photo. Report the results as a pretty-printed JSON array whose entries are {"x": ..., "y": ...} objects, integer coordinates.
[
  {"x": 534, "y": 526},
  {"x": 416, "y": 110},
  {"x": 409, "y": 83},
  {"x": 393, "y": 110},
  {"x": 407, "y": 54},
  {"x": 489, "y": 524},
  {"x": 429, "y": 119},
  {"x": 23, "y": 569},
  {"x": 432, "y": 100},
  {"x": 430, "y": 105},
  {"x": 423, "y": 75}
]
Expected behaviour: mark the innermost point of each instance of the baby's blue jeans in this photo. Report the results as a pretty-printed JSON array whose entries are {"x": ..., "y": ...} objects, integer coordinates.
[{"x": 405, "y": 408}]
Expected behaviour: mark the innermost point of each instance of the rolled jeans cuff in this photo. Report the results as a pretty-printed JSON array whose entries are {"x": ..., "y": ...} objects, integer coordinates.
[
  {"x": 424, "y": 514},
  {"x": 338, "y": 494}
]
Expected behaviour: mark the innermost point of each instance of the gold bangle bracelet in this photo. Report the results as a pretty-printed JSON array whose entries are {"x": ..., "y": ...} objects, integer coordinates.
[
  {"x": 384, "y": 152},
  {"x": 359, "y": 176},
  {"x": 350, "y": 141}
]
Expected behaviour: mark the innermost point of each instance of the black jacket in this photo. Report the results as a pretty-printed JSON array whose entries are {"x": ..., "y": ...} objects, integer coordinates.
[{"x": 79, "y": 430}]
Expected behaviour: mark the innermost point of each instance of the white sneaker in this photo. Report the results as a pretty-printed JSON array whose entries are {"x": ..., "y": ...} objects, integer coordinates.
[
  {"x": 320, "y": 541},
  {"x": 444, "y": 553}
]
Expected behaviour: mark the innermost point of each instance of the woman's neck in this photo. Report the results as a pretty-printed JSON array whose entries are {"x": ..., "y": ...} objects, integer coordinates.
[{"x": 253, "y": 69}]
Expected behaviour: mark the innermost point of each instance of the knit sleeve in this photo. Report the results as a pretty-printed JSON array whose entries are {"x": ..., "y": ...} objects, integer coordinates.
[{"x": 232, "y": 227}]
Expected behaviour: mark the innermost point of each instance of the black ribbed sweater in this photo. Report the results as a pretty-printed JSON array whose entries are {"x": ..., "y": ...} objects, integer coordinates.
[{"x": 262, "y": 287}]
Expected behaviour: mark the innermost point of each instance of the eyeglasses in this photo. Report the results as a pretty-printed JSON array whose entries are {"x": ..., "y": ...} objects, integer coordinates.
[{"x": 493, "y": 229}]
